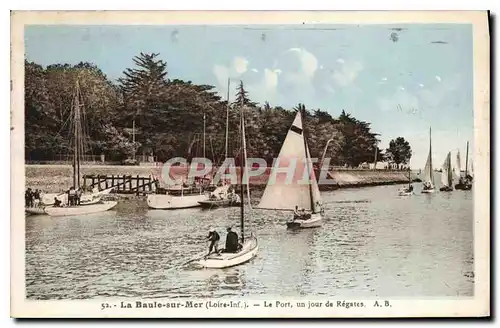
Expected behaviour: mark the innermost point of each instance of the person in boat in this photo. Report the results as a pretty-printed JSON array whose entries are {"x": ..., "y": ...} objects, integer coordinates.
[
  {"x": 28, "y": 197},
  {"x": 296, "y": 212},
  {"x": 214, "y": 238},
  {"x": 78, "y": 195},
  {"x": 410, "y": 188},
  {"x": 57, "y": 202},
  {"x": 231, "y": 241},
  {"x": 427, "y": 186}
]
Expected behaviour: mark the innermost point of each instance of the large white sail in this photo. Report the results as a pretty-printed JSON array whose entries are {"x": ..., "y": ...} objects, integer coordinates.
[
  {"x": 315, "y": 194},
  {"x": 458, "y": 166},
  {"x": 285, "y": 192},
  {"x": 428, "y": 170},
  {"x": 446, "y": 174}
]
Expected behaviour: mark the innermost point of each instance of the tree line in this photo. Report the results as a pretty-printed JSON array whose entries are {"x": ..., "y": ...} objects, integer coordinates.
[{"x": 168, "y": 118}]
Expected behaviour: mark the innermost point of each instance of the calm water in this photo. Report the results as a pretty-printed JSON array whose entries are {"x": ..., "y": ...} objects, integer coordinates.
[{"x": 372, "y": 244}]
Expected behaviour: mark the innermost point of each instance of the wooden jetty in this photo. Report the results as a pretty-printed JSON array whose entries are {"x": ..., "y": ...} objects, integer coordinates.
[{"x": 124, "y": 184}]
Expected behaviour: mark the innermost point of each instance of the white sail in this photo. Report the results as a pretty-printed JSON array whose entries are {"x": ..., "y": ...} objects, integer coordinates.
[
  {"x": 428, "y": 170},
  {"x": 284, "y": 193},
  {"x": 446, "y": 174},
  {"x": 471, "y": 173},
  {"x": 458, "y": 166}
]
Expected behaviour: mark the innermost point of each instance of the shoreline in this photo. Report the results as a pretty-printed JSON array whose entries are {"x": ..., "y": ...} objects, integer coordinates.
[{"x": 56, "y": 178}]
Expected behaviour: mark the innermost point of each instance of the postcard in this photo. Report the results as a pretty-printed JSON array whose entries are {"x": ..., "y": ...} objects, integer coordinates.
[{"x": 250, "y": 164}]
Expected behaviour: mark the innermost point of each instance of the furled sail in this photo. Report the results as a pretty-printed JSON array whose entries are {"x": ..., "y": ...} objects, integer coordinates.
[
  {"x": 446, "y": 174},
  {"x": 298, "y": 187}
]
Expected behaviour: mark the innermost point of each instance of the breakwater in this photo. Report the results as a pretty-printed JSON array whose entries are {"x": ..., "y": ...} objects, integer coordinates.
[{"x": 57, "y": 178}]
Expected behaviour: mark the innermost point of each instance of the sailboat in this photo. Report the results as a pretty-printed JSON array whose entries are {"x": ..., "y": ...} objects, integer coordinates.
[
  {"x": 180, "y": 196},
  {"x": 89, "y": 203},
  {"x": 295, "y": 195},
  {"x": 407, "y": 191},
  {"x": 223, "y": 196},
  {"x": 465, "y": 183},
  {"x": 249, "y": 246},
  {"x": 447, "y": 175},
  {"x": 428, "y": 179}
]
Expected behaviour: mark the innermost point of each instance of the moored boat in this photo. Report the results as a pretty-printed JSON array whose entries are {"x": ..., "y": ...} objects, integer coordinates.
[
  {"x": 464, "y": 183},
  {"x": 80, "y": 210}
]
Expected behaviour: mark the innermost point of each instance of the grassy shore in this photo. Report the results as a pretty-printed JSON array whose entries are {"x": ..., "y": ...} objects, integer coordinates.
[{"x": 57, "y": 178}]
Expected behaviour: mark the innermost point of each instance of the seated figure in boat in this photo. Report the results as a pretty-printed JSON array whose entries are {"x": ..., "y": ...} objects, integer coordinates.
[
  {"x": 427, "y": 186},
  {"x": 300, "y": 214},
  {"x": 214, "y": 238},
  {"x": 232, "y": 244}
]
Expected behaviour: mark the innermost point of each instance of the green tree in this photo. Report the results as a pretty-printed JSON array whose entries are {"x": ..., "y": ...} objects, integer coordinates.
[{"x": 399, "y": 151}]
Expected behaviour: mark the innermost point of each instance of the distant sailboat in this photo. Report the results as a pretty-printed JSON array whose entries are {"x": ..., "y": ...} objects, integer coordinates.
[
  {"x": 407, "y": 191},
  {"x": 428, "y": 179},
  {"x": 447, "y": 175},
  {"x": 465, "y": 183},
  {"x": 287, "y": 195}
]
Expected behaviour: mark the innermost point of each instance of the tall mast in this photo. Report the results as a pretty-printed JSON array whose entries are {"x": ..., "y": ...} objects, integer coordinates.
[
  {"x": 430, "y": 156},
  {"x": 204, "y": 142},
  {"x": 302, "y": 114},
  {"x": 76, "y": 156},
  {"x": 227, "y": 116},
  {"x": 466, "y": 159},
  {"x": 242, "y": 165}
]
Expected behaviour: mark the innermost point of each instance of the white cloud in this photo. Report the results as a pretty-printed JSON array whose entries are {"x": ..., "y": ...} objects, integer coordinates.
[
  {"x": 438, "y": 78},
  {"x": 421, "y": 85},
  {"x": 401, "y": 88},
  {"x": 255, "y": 70},
  {"x": 321, "y": 67},
  {"x": 347, "y": 73},
  {"x": 384, "y": 79},
  {"x": 308, "y": 61},
  {"x": 240, "y": 64},
  {"x": 340, "y": 61},
  {"x": 221, "y": 73}
]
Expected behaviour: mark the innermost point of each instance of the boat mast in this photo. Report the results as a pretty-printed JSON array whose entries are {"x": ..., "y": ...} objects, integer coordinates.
[
  {"x": 76, "y": 156},
  {"x": 302, "y": 114},
  {"x": 227, "y": 116},
  {"x": 466, "y": 159},
  {"x": 242, "y": 160},
  {"x": 204, "y": 142},
  {"x": 430, "y": 157}
]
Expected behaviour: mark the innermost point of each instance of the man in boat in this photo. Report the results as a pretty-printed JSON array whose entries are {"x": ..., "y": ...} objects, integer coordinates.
[
  {"x": 410, "y": 188},
  {"x": 296, "y": 213},
  {"x": 214, "y": 238},
  {"x": 71, "y": 196},
  {"x": 231, "y": 241}
]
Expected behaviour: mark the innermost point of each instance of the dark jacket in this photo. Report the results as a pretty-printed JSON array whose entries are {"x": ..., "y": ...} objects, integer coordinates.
[
  {"x": 231, "y": 242},
  {"x": 213, "y": 236}
]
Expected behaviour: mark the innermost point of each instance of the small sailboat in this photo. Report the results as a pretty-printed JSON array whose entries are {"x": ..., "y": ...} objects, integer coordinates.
[
  {"x": 407, "y": 191},
  {"x": 249, "y": 246},
  {"x": 302, "y": 197},
  {"x": 89, "y": 203},
  {"x": 428, "y": 178},
  {"x": 447, "y": 175},
  {"x": 465, "y": 183}
]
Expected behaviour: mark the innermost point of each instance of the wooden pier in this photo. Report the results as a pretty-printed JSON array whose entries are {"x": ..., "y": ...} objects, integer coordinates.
[{"x": 124, "y": 184}]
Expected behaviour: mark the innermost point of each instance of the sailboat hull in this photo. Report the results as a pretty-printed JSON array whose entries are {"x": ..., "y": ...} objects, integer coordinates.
[
  {"x": 446, "y": 188},
  {"x": 314, "y": 222},
  {"x": 463, "y": 186},
  {"x": 428, "y": 191},
  {"x": 80, "y": 210},
  {"x": 170, "y": 202},
  {"x": 227, "y": 260}
]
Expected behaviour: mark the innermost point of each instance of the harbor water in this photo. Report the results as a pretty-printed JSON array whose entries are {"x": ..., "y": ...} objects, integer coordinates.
[{"x": 373, "y": 243}]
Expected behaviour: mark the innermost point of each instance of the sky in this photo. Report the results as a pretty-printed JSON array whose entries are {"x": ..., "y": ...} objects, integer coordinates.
[{"x": 401, "y": 78}]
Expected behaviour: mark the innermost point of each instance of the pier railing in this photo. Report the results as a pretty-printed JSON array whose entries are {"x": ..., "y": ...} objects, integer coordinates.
[{"x": 124, "y": 184}]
